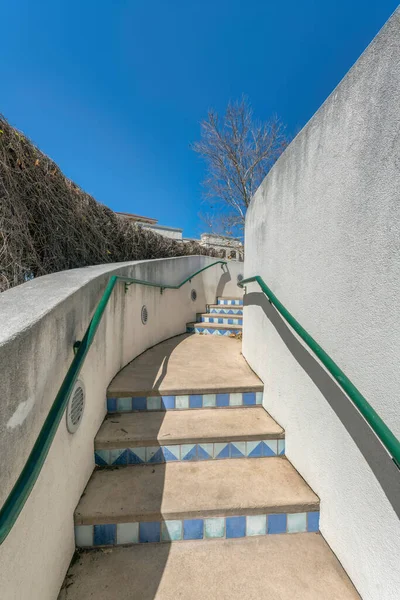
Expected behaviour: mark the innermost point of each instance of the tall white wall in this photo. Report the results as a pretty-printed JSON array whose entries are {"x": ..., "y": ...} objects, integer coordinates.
[
  {"x": 323, "y": 230},
  {"x": 39, "y": 322}
]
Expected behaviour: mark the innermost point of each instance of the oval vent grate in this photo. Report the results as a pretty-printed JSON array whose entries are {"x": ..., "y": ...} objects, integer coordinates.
[
  {"x": 76, "y": 407},
  {"x": 193, "y": 295},
  {"x": 144, "y": 315}
]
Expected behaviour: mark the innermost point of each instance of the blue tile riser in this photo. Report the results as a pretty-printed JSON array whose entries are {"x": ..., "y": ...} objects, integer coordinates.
[
  {"x": 222, "y": 302},
  {"x": 189, "y": 452},
  {"x": 184, "y": 402},
  {"x": 226, "y": 311},
  {"x": 208, "y": 331},
  {"x": 221, "y": 320},
  {"x": 236, "y": 527}
]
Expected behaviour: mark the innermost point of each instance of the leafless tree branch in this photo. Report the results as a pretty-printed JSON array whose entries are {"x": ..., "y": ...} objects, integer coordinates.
[{"x": 238, "y": 151}]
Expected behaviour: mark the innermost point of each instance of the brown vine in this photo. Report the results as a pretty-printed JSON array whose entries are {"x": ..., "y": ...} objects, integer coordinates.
[{"x": 48, "y": 223}]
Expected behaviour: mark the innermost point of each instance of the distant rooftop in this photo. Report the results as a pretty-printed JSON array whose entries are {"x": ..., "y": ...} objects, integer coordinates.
[{"x": 138, "y": 218}]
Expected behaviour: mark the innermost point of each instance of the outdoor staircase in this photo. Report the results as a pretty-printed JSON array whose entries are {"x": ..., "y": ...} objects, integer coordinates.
[
  {"x": 223, "y": 318},
  {"x": 193, "y": 497}
]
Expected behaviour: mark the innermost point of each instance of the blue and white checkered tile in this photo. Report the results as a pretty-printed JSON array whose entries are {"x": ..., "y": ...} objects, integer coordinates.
[
  {"x": 229, "y": 302},
  {"x": 208, "y": 528},
  {"x": 214, "y": 331},
  {"x": 225, "y": 320},
  {"x": 192, "y": 452},
  {"x": 184, "y": 402},
  {"x": 226, "y": 311}
]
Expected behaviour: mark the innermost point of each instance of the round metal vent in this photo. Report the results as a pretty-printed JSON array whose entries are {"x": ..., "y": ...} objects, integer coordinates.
[
  {"x": 240, "y": 277},
  {"x": 144, "y": 314},
  {"x": 76, "y": 407},
  {"x": 193, "y": 295}
]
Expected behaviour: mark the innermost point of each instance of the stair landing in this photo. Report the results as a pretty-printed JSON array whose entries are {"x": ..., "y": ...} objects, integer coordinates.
[
  {"x": 276, "y": 567},
  {"x": 187, "y": 364}
]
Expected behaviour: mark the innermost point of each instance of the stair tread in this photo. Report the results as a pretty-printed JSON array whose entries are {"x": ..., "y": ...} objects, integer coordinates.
[
  {"x": 281, "y": 567},
  {"x": 187, "y": 364},
  {"x": 186, "y": 426},
  {"x": 194, "y": 489},
  {"x": 214, "y": 325}
]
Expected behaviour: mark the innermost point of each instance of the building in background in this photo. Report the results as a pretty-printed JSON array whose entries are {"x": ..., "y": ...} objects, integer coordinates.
[
  {"x": 148, "y": 223},
  {"x": 228, "y": 247}
]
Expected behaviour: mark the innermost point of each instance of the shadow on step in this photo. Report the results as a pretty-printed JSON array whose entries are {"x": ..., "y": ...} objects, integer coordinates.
[
  {"x": 144, "y": 375},
  {"x": 146, "y": 573},
  {"x": 146, "y": 491},
  {"x": 372, "y": 450}
]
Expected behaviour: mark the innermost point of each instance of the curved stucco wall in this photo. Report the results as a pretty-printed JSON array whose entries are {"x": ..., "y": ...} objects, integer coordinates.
[
  {"x": 323, "y": 231},
  {"x": 39, "y": 322}
]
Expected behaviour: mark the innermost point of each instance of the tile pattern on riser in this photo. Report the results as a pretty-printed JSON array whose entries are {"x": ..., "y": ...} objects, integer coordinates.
[
  {"x": 209, "y": 331},
  {"x": 194, "y": 401},
  {"x": 225, "y": 302},
  {"x": 189, "y": 452},
  {"x": 226, "y": 311},
  {"x": 220, "y": 320},
  {"x": 195, "y": 529}
]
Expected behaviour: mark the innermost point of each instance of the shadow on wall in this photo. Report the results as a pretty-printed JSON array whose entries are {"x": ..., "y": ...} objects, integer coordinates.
[
  {"x": 369, "y": 445},
  {"x": 224, "y": 280}
]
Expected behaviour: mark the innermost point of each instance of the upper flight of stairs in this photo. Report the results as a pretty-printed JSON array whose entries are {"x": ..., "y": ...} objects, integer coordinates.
[
  {"x": 223, "y": 318},
  {"x": 192, "y": 478}
]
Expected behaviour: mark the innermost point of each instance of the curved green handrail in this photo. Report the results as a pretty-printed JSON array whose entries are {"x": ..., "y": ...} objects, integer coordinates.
[
  {"x": 387, "y": 438},
  {"x": 29, "y": 474}
]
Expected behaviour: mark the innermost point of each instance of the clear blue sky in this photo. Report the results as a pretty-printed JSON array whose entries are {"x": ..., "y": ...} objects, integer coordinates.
[{"x": 114, "y": 91}]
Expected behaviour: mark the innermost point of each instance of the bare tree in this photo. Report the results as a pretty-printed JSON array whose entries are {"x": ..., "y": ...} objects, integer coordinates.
[{"x": 238, "y": 151}]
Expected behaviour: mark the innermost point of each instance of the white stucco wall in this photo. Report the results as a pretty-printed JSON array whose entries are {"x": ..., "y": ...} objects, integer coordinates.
[
  {"x": 323, "y": 231},
  {"x": 39, "y": 322}
]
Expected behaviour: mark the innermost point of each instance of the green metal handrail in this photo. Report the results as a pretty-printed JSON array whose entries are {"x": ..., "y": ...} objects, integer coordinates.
[
  {"x": 382, "y": 431},
  {"x": 29, "y": 474}
]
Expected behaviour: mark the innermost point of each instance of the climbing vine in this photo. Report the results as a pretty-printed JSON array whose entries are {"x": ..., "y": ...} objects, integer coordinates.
[{"x": 48, "y": 223}]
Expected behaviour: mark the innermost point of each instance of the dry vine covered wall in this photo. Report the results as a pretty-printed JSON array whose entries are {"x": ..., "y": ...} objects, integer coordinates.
[{"x": 48, "y": 224}]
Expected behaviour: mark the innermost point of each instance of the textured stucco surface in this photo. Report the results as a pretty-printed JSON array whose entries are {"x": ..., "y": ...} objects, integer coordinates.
[
  {"x": 323, "y": 231},
  {"x": 39, "y": 322}
]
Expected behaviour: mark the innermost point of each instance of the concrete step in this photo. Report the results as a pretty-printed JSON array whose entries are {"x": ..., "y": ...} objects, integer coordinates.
[
  {"x": 194, "y": 500},
  {"x": 229, "y": 300},
  {"x": 275, "y": 567},
  {"x": 214, "y": 329},
  {"x": 157, "y": 437},
  {"x": 220, "y": 319},
  {"x": 182, "y": 366},
  {"x": 228, "y": 310}
]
